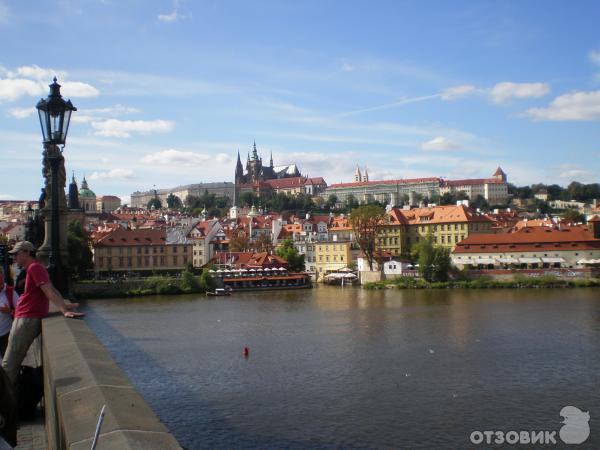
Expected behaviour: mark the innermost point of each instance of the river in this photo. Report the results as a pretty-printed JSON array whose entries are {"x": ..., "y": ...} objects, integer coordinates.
[{"x": 339, "y": 367}]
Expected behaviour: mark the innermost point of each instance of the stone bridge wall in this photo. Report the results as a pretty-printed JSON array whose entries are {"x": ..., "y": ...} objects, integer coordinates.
[{"x": 79, "y": 377}]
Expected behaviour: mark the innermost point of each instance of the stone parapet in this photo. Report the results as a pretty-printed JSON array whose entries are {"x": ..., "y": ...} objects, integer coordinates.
[{"x": 80, "y": 377}]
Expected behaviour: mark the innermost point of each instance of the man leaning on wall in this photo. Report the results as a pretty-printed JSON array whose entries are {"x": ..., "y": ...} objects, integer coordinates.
[{"x": 32, "y": 307}]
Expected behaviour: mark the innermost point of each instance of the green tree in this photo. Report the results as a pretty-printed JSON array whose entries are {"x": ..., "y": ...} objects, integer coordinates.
[
  {"x": 573, "y": 215},
  {"x": 80, "y": 258},
  {"x": 364, "y": 221},
  {"x": 207, "y": 282},
  {"x": 351, "y": 202},
  {"x": 288, "y": 252},
  {"x": 480, "y": 202},
  {"x": 154, "y": 203},
  {"x": 331, "y": 201},
  {"x": 248, "y": 199},
  {"x": 173, "y": 202},
  {"x": 434, "y": 261}
]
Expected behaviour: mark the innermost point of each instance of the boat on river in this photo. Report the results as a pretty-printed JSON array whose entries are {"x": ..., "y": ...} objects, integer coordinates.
[{"x": 219, "y": 292}]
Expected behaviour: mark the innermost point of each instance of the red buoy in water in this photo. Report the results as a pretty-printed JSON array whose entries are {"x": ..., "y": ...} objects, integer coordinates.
[{"x": 246, "y": 352}]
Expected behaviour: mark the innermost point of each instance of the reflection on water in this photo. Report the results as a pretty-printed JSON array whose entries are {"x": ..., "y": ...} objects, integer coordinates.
[{"x": 332, "y": 367}]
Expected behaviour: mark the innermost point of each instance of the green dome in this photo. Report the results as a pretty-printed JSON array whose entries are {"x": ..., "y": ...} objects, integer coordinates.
[{"x": 85, "y": 191}]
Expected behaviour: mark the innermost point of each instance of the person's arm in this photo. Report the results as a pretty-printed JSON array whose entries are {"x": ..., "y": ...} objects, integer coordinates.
[{"x": 55, "y": 297}]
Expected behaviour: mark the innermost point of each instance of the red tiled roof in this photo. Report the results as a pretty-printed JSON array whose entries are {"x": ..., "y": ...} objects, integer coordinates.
[
  {"x": 392, "y": 182},
  {"x": 471, "y": 182},
  {"x": 530, "y": 239},
  {"x": 125, "y": 237},
  {"x": 436, "y": 214}
]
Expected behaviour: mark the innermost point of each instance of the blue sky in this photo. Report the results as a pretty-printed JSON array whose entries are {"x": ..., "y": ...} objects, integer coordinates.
[{"x": 168, "y": 91}]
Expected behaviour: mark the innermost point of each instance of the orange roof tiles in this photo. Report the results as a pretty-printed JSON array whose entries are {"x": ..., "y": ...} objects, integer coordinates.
[{"x": 373, "y": 183}]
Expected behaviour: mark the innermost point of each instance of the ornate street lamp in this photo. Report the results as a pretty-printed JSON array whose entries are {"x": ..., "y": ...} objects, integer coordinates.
[{"x": 55, "y": 115}]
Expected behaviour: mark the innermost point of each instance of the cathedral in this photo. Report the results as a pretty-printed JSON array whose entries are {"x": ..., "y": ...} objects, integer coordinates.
[{"x": 256, "y": 172}]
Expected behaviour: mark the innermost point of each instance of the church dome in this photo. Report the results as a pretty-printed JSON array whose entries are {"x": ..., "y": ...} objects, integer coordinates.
[{"x": 85, "y": 191}]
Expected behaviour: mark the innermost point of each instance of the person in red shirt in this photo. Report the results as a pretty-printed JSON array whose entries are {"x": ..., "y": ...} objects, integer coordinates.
[{"x": 32, "y": 307}]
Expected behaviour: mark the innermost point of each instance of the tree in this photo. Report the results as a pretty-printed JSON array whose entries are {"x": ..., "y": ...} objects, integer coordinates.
[
  {"x": 80, "y": 258},
  {"x": 331, "y": 201},
  {"x": 263, "y": 243},
  {"x": 173, "y": 202},
  {"x": 288, "y": 252},
  {"x": 364, "y": 221},
  {"x": 434, "y": 261},
  {"x": 351, "y": 202},
  {"x": 573, "y": 215},
  {"x": 248, "y": 199},
  {"x": 154, "y": 203},
  {"x": 207, "y": 282},
  {"x": 480, "y": 202},
  {"x": 239, "y": 243}
]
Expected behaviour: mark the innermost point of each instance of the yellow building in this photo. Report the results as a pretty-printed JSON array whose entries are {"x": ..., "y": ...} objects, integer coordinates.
[
  {"x": 331, "y": 256},
  {"x": 124, "y": 250},
  {"x": 108, "y": 203},
  {"x": 448, "y": 225}
]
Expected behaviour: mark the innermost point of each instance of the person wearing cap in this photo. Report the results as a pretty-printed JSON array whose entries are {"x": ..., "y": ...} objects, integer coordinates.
[
  {"x": 6, "y": 312},
  {"x": 31, "y": 308}
]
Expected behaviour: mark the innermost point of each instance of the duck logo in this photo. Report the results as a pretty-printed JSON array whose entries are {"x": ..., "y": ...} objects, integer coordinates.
[{"x": 576, "y": 428}]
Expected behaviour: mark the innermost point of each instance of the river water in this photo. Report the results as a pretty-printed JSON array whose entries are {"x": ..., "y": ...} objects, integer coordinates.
[{"x": 339, "y": 367}]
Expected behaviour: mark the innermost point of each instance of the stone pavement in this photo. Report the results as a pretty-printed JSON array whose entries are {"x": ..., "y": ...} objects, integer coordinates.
[{"x": 32, "y": 434}]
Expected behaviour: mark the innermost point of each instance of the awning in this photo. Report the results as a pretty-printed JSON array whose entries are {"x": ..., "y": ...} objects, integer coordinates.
[
  {"x": 484, "y": 261},
  {"x": 553, "y": 260},
  {"x": 530, "y": 260},
  {"x": 508, "y": 260},
  {"x": 588, "y": 261}
]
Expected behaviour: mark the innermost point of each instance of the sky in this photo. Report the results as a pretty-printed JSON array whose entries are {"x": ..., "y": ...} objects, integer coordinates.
[{"x": 169, "y": 91}]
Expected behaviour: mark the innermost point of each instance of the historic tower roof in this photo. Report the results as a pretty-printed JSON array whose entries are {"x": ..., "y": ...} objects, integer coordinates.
[{"x": 85, "y": 191}]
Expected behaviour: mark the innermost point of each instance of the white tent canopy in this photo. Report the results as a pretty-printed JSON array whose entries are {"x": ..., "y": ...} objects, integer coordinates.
[
  {"x": 553, "y": 260},
  {"x": 530, "y": 260}
]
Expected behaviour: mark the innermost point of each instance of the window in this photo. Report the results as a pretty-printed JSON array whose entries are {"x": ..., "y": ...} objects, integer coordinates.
[
  {"x": 162, "y": 249},
  {"x": 129, "y": 261},
  {"x": 139, "y": 261},
  {"x": 121, "y": 261},
  {"x": 174, "y": 260},
  {"x": 101, "y": 260},
  {"x": 139, "y": 250},
  {"x": 154, "y": 249},
  {"x": 174, "y": 249}
]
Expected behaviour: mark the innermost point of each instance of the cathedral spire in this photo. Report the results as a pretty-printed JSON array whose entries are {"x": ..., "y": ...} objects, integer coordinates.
[
  {"x": 271, "y": 159},
  {"x": 254, "y": 152}
]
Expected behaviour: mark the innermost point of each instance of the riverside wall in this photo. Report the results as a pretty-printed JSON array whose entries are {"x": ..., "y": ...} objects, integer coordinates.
[{"x": 80, "y": 377}]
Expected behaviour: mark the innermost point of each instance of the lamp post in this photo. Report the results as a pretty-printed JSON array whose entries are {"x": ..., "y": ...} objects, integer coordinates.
[{"x": 55, "y": 114}]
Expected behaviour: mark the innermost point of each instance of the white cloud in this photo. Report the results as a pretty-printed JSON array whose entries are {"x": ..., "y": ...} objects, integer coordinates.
[
  {"x": 440, "y": 143},
  {"x": 594, "y": 56},
  {"x": 37, "y": 73},
  {"x": 124, "y": 128},
  {"x": 223, "y": 158},
  {"x": 78, "y": 89},
  {"x": 13, "y": 89},
  {"x": 168, "y": 17},
  {"x": 113, "y": 174},
  {"x": 572, "y": 174},
  {"x": 176, "y": 157},
  {"x": 21, "y": 113},
  {"x": 457, "y": 92},
  {"x": 506, "y": 90},
  {"x": 571, "y": 106},
  {"x": 6, "y": 196},
  {"x": 33, "y": 81}
]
